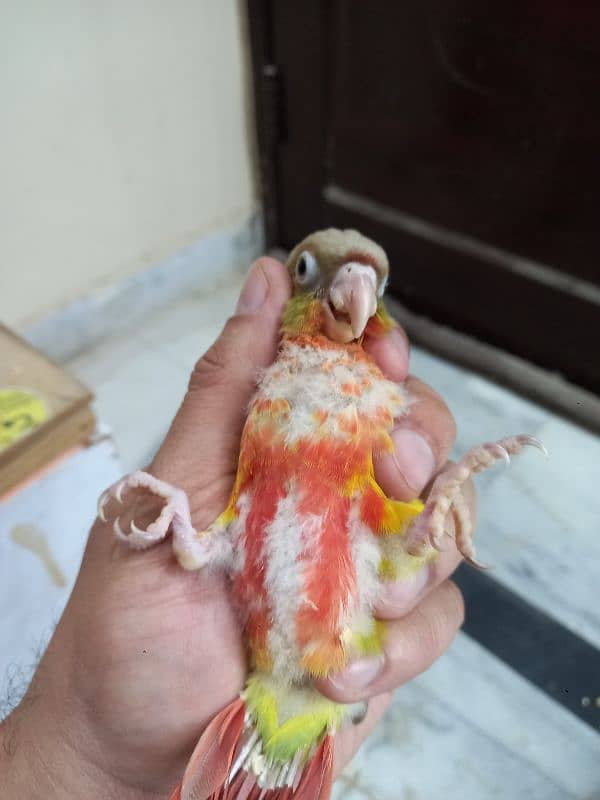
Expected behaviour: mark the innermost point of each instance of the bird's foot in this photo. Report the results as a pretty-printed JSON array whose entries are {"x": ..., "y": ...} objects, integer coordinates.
[
  {"x": 429, "y": 528},
  {"x": 142, "y": 510}
]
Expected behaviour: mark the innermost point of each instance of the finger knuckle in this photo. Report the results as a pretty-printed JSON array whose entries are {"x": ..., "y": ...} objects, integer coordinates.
[
  {"x": 442, "y": 411},
  {"x": 455, "y": 603},
  {"x": 214, "y": 367},
  {"x": 439, "y": 625},
  {"x": 433, "y": 414},
  {"x": 432, "y": 637}
]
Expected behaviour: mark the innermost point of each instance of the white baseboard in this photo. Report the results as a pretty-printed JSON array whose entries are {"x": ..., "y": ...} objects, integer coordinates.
[{"x": 202, "y": 266}]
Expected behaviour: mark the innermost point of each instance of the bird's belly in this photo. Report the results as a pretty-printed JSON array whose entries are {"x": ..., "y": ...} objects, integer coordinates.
[
  {"x": 306, "y": 565},
  {"x": 305, "y": 562}
]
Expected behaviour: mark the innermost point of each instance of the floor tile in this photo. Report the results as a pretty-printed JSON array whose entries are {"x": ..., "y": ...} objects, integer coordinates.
[
  {"x": 186, "y": 332},
  {"x": 539, "y": 519},
  {"x": 506, "y": 741},
  {"x": 32, "y": 596},
  {"x": 138, "y": 390}
]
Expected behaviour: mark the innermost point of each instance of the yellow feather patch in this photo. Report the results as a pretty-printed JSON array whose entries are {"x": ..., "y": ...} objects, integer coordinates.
[
  {"x": 289, "y": 719},
  {"x": 403, "y": 566},
  {"x": 356, "y": 484},
  {"x": 226, "y": 517},
  {"x": 263, "y": 706},
  {"x": 370, "y": 644},
  {"x": 301, "y": 315},
  {"x": 387, "y": 570},
  {"x": 381, "y": 322},
  {"x": 398, "y": 514},
  {"x": 297, "y": 734},
  {"x": 393, "y": 516}
]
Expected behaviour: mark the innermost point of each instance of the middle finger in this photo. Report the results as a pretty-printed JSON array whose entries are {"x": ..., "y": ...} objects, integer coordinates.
[{"x": 423, "y": 438}]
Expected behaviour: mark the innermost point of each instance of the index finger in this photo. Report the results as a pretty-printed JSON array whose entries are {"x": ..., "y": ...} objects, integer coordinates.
[
  {"x": 423, "y": 436},
  {"x": 391, "y": 352}
]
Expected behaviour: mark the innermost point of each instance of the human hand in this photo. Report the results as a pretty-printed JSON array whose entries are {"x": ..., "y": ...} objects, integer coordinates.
[{"x": 146, "y": 653}]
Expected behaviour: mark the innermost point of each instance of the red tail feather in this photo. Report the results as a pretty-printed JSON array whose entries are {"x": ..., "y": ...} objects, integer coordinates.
[
  {"x": 318, "y": 775},
  {"x": 206, "y": 775},
  {"x": 210, "y": 763}
]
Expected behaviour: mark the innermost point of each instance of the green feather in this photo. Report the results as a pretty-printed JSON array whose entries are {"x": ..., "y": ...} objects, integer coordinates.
[
  {"x": 299, "y": 733},
  {"x": 289, "y": 719},
  {"x": 371, "y": 643},
  {"x": 302, "y": 314}
]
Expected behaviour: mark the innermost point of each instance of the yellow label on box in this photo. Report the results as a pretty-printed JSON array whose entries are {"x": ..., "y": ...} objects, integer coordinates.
[{"x": 20, "y": 412}]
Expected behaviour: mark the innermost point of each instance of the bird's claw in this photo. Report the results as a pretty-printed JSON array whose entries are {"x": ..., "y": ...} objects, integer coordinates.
[
  {"x": 175, "y": 509},
  {"x": 119, "y": 491},
  {"x": 193, "y": 550},
  {"x": 503, "y": 453},
  {"x": 429, "y": 529},
  {"x": 532, "y": 441},
  {"x": 102, "y": 501}
]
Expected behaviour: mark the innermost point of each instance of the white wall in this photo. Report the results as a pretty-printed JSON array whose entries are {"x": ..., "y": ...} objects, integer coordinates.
[{"x": 125, "y": 136}]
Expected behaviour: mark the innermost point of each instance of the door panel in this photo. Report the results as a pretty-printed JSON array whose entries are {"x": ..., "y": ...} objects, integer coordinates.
[{"x": 464, "y": 137}]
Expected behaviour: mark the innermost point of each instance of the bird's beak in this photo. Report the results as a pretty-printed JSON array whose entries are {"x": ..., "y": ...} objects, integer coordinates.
[{"x": 350, "y": 302}]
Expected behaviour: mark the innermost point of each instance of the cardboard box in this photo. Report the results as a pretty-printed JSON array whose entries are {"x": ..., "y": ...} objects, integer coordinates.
[{"x": 44, "y": 411}]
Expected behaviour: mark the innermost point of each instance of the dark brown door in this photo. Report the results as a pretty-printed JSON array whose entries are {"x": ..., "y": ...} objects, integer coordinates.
[{"x": 465, "y": 138}]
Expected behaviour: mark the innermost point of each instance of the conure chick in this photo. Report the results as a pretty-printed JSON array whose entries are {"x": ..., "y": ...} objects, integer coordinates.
[{"x": 308, "y": 535}]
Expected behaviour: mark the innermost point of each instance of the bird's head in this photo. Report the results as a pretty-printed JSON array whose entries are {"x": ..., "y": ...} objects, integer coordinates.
[{"x": 339, "y": 278}]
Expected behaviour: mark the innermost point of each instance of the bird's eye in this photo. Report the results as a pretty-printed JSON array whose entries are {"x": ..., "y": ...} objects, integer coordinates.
[{"x": 307, "y": 269}]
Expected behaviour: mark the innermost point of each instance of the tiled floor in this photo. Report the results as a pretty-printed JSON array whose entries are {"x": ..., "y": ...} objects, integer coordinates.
[
  {"x": 42, "y": 535},
  {"x": 470, "y": 727},
  {"x": 140, "y": 378}
]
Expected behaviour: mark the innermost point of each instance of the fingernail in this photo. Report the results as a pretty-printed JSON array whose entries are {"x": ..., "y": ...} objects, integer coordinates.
[
  {"x": 413, "y": 457},
  {"x": 399, "y": 596},
  {"x": 359, "y": 675},
  {"x": 254, "y": 291}
]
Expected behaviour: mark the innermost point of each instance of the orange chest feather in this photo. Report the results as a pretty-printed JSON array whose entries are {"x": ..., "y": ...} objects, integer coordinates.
[{"x": 319, "y": 415}]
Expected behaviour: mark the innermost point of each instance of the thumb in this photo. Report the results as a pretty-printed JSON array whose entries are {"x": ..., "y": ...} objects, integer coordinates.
[{"x": 200, "y": 452}]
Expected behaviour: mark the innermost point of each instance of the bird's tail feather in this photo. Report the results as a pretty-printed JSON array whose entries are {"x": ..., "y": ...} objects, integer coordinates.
[{"x": 270, "y": 743}]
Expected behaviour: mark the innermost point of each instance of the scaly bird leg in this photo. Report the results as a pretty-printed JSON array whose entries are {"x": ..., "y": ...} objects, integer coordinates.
[
  {"x": 135, "y": 496},
  {"x": 428, "y": 529}
]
